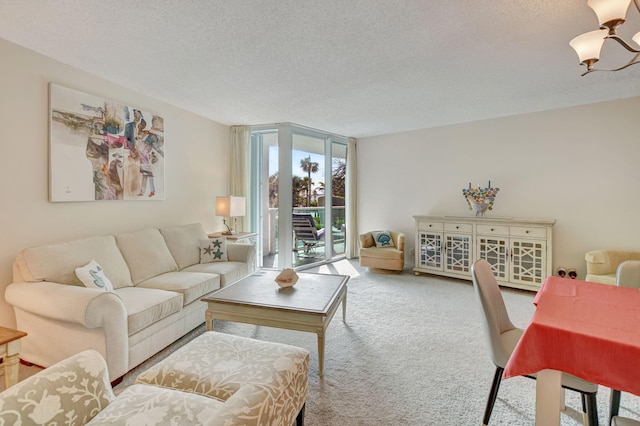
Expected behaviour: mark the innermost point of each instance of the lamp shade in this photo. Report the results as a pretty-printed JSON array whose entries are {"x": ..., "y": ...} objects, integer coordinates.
[
  {"x": 589, "y": 45},
  {"x": 230, "y": 206},
  {"x": 610, "y": 13}
]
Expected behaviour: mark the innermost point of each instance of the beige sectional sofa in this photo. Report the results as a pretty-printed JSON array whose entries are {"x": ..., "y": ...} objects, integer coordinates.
[{"x": 158, "y": 281}]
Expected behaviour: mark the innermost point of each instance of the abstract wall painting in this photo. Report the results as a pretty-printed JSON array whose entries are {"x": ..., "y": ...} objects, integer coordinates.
[{"x": 103, "y": 150}]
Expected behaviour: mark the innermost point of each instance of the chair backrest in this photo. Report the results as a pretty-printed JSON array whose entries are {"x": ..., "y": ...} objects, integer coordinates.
[
  {"x": 304, "y": 227},
  {"x": 75, "y": 388},
  {"x": 628, "y": 274},
  {"x": 495, "y": 317}
]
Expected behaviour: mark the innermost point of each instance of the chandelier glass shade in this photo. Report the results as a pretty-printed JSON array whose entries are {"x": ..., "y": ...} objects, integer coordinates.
[{"x": 611, "y": 15}]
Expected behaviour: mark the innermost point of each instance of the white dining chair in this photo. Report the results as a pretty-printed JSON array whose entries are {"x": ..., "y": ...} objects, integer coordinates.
[
  {"x": 624, "y": 421},
  {"x": 502, "y": 337},
  {"x": 627, "y": 275}
]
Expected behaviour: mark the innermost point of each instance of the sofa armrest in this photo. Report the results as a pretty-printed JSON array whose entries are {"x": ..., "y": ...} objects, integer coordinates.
[
  {"x": 238, "y": 252},
  {"x": 62, "y": 302},
  {"x": 62, "y": 320},
  {"x": 77, "y": 387},
  {"x": 398, "y": 239}
]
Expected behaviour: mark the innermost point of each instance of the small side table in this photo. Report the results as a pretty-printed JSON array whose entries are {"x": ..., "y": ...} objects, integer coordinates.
[
  {"x": 235, "y": 237},
  {"x": 10, "y": 352}
]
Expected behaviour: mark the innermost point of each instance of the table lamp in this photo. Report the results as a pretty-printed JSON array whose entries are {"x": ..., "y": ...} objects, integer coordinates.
[{"x": 230, "y": 207}]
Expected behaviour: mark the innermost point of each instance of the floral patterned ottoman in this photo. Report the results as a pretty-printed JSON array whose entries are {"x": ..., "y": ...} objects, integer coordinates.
[
  {"x": 218, "y": 365},
  {"x": 76, "y": 391}
]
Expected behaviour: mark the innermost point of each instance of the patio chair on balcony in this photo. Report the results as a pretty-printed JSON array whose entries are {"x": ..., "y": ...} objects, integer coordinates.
[{"x": 306, "y": 233}]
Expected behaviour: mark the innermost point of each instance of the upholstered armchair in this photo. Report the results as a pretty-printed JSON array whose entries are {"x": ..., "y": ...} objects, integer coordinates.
[
  {"x": 602, "y": 264},
  {"x": 382, "y": 251}
]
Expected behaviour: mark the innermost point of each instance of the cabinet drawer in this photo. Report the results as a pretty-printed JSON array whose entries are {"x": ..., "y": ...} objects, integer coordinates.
[
  {"x": 492, "y": 230},
  {"x": 458, "y": 227},
  {"x": 430, "y": 226},
  {"x": 525, "y": 231}
]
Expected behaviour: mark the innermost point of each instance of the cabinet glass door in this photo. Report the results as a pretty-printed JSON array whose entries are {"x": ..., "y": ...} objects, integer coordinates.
[
  {"x": 528, "y": 261},
  {"x": 458, "y": 253},
  {"x": 495, "y": 251},
  {"x": 430, "y": 246}
]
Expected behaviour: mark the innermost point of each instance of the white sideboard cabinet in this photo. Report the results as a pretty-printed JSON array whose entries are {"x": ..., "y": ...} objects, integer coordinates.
[{"x": 519, "y": 250}]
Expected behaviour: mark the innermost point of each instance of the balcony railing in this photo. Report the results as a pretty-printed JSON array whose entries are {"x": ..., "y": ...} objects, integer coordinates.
[{"x": 337, "y": 229}]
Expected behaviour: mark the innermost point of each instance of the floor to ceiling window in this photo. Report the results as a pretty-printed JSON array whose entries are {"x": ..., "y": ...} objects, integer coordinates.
[{"x": 298, "y": 185}]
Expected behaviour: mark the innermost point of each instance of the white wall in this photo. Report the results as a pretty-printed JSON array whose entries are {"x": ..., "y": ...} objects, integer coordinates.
[
  {"x": 580, "y": 166},
  {"x": 196, "y": 164}
]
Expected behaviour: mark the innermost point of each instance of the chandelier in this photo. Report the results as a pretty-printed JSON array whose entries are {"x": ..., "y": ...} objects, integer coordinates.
[{"x": 611, "y": 14}]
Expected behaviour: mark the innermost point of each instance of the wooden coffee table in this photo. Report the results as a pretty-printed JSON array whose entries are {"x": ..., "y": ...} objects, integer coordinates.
[{"x": 257, "y": 299}]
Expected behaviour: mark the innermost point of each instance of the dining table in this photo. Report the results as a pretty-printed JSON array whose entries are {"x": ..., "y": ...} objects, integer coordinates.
[{"x": 587, "y": 329}]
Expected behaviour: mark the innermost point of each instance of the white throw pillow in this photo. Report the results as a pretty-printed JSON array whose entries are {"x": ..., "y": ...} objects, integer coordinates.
[
  {"x": 213, "y": 250},
  {"x": 92, "y": 276},
  {"x": 382, "y": 239}
]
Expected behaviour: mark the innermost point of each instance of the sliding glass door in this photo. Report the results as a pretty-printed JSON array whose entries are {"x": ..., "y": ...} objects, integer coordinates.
[
  {"x": 265, "y": 194},
  {"x": 307, "y": 184},
  {"x": 298, "y": 172}
]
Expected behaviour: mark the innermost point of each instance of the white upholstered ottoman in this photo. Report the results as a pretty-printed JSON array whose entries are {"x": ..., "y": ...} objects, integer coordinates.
[{"x": 218, "y": 365}]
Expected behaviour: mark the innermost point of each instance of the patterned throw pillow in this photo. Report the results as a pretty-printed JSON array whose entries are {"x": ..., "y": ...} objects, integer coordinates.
[
  {"x": 382, "y": 238},
  {"x": 92, "y": 276},
  {"x": 213, "y": 250}
]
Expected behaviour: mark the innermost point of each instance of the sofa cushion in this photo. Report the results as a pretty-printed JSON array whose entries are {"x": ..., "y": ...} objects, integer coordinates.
[
  {"x": 147, "y": 405},
  {"x": 146, "y": 253},
  {"x": 602, "y": 279},
  {"x": 184, "y": 243},
  {"x": 213, "y": 250},
  {"x": 192, "y": 285},
  {"x": 229, "y": 272},
  {"x": 57, "y": 262},
  {"x": 382, "y": 253},
  {"x": 146, "y": 306}
]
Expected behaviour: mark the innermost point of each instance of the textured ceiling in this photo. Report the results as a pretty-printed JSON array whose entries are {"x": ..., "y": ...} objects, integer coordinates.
[{"x": 352, "y": 67}]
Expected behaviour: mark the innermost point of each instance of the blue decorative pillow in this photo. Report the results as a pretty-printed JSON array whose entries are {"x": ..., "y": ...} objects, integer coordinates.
[
  {"x": 92, "y": 276},
  {"x": 213, "y": 250},
  {"x": 382, "y": 238}
]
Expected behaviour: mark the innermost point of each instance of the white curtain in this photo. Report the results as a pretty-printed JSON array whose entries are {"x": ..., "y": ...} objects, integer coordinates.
[
  {"x": 240, "y": 170},
  {"x": 351, "y": 249}
]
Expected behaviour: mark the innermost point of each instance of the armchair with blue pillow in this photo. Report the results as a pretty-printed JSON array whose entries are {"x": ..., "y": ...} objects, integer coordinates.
[{"x": 382, "y": 251}]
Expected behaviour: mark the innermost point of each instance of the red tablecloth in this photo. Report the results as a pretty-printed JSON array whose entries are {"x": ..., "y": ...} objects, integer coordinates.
[{"x": 589, "y": 330}]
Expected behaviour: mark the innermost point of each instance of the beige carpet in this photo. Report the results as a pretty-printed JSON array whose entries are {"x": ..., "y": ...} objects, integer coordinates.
[{"x": 412, "y": 352}]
